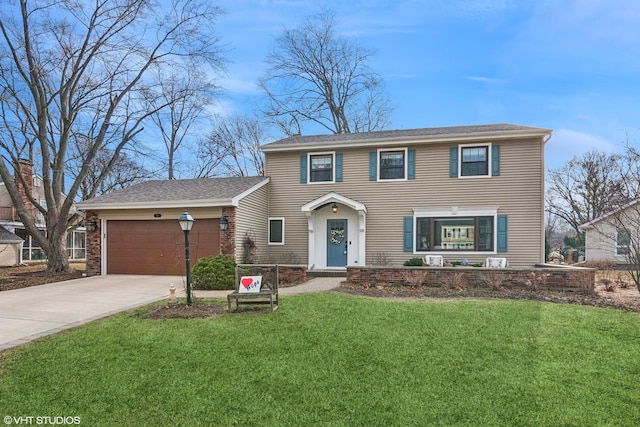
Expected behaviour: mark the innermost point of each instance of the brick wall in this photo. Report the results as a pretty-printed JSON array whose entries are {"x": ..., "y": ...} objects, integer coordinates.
[
  {"x": 228, "y": 236},
  {"x": 565, "y": 279},
  {"x": 94, "y": 243}
]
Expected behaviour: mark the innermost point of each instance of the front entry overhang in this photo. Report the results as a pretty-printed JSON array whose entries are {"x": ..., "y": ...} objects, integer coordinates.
[{"x": 318, "y": 211}]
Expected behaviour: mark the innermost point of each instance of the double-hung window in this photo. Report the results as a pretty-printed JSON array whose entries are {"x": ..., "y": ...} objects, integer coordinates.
[
  {"x": 321, "y": 167},
  {"x": 392, "y": 164},
  {"x": 475, "y": 161}
]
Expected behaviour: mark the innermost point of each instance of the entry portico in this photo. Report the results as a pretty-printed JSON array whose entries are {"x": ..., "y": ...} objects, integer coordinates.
[{"x": 337, "y": 231}]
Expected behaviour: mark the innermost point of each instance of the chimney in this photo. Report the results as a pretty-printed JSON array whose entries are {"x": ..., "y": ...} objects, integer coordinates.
[{"x": 24, "y": 168}]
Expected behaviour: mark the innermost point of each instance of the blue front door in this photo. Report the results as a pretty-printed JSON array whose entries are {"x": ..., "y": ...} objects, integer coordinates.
[{"x": 337, "y": 242}]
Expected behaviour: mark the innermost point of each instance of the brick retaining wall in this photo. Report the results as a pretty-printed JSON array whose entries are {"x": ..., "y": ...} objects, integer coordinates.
[{"x": 565, "y": 279}]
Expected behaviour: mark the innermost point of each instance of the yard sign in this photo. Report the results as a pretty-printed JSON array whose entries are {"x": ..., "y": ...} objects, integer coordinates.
[{"x": 250, "y": 284}]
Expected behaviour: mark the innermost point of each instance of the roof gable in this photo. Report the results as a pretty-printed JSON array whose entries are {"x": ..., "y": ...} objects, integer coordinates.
[
  {"x": 594, "y": 221},
  {"x": 8, "y": 237}
]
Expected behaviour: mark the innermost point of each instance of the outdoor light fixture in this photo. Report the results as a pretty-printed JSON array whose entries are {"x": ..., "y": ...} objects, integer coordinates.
[
  {"x": 186, "y": 223},
  {"x": 334, "y": 208},
  {"x": 224, "y": 223},
  {"x": 91, "y": 226}
]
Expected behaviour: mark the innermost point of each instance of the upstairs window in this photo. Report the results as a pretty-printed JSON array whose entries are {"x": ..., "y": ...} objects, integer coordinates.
[
  {"x": 392, "y": 164},
  {"x": 472, "y": 160},
  {"x": 475, "y": 161},
  {"x": 321, "y": 168}
]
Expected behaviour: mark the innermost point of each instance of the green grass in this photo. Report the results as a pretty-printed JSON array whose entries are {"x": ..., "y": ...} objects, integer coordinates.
[{"x": 332, "y": 359}]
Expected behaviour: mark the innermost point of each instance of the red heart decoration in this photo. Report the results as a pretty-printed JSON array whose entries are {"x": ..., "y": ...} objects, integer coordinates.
[{"x": 246, "y": 282}]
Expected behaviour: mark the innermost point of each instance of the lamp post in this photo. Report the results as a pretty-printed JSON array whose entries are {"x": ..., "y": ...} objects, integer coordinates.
[{"x": 186, "y": 222}]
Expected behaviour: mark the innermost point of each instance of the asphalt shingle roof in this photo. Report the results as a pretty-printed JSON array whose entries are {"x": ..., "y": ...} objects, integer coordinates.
[
  {"x": 405, "y": 133},
  {"x": 178, "y": 190},
  {"x": 6, "y": 236}
]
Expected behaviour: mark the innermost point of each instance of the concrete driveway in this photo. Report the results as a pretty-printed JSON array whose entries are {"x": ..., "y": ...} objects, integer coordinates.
[{"x": 30, "y": 313}]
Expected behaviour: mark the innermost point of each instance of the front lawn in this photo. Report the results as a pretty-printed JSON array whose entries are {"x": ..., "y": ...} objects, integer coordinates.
[{"x": 334, "y": 359}]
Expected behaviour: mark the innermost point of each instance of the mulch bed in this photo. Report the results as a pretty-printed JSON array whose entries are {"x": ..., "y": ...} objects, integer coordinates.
[
  {"x": 199, "y": 310},
  {"x": 32, "y": 275},
  {"x": 608, "y": 300},
  {"x": 413, "y": 292}
]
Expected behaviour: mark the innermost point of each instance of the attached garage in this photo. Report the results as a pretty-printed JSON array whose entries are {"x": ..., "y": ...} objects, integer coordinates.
[
  {"x": 136, "y": 231},
  {"x": 157, "y": 246}
]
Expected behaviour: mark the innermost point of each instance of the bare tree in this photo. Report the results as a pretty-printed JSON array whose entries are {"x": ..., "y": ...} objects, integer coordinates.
[
  {"x": 125, "y": 171},
  {"x": 317, "y": 76},
  {"x": 585, "y": 188},
  {"x": 70, "y": 69},
  {"x": 233, "y": 147},
  {"x": 186, "y": 94}
]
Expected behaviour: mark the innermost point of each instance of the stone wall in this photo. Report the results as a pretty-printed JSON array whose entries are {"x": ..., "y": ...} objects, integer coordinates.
[{"x": 564, "y": 279}]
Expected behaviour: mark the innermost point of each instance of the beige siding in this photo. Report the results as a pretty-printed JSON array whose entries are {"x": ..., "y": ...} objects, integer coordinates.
[
  {"x": 517, "y": 192},
  {"x": 251, "y": 220},
  {"x": 10, "y": 254}
]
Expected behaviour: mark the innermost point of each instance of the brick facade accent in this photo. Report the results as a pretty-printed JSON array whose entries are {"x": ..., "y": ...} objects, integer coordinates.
[
  {"x": 94, "y": 246},
  {"x": 565, "y": 279},
  {"x": 228, "y": 236}
]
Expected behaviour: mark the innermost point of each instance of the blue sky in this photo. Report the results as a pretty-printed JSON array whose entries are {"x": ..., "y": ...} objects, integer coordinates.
[{"x": 569, "y": 65}]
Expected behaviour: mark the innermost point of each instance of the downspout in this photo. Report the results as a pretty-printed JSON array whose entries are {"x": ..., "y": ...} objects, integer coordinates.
[{"x": 545, "y": 139}]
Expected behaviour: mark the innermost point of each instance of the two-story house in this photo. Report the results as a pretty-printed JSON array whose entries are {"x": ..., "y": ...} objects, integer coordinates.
[
  {"x": 465, "y": 192},
  {"x": 330, "y": 201}
]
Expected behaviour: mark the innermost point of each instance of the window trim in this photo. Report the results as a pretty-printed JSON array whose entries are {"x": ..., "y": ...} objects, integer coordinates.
[
  {"x": 455, "y": 212},
  {"x": 333, "y": 167},
  {"x": 275, "y": 218},
  {"x": 628, "y": 247},
  {"x": 489, "y": 174},
  {"x": 406, "y": 164}
]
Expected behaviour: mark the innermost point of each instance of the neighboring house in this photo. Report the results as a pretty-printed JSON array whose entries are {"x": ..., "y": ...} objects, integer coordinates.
[
  {"x": 465, "y": 192},
  {"x": 137, "y": 230},
  {"x": 615, "y": 236},
  {"x": 10, "y": 248},
  {"x": 10, "y": 220}
]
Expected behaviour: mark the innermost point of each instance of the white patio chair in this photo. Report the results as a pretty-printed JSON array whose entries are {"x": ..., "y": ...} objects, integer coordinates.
[
  {"x": 433, "y": 260},
  {"x": 495, "y": 263}
]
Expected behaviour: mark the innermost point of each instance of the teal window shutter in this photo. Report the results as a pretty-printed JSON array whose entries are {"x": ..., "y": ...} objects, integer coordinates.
[
  {"x": 453, "y": 162},
  {"x": 373, "y": 166},
  {"x": 495, "y": 160},
  {"x": 502, "y": 233},
  {"x": 303, "y": 169},
  {"x": 408, "y": 234},
  {"x": 411, "y": 164},
  {"x": 338, "y": 167}
]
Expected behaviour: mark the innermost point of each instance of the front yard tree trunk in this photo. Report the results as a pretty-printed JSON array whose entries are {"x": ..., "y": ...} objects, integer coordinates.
[{"x": 57, "y": 258}]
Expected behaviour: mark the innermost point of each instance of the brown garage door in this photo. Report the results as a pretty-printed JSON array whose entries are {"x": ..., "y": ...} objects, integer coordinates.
[{"x": 157, "y": 247}]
